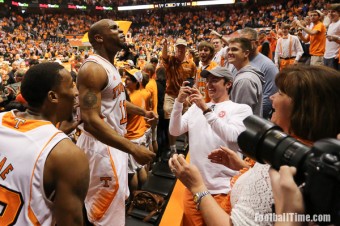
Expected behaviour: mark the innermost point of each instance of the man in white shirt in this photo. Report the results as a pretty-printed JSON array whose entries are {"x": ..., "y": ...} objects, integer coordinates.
[
  {"x": 288, "y": 49},
  {"x": 333, "y": 32}
]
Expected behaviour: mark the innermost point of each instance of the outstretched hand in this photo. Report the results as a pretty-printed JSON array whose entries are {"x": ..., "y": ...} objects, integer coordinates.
[
  {"x": 228, "y": 158},
  {"x": 188, "y": 174},
  {"x": 143, "y": 155}
]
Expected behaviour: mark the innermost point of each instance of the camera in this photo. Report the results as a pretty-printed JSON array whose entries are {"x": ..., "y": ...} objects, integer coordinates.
[
  {"x": 318, "y": 167},
  {"x": 191, "y": 82}
]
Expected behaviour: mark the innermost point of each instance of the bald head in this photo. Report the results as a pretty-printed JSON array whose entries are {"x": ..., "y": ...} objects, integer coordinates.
[{"x": 97, "y": 28}]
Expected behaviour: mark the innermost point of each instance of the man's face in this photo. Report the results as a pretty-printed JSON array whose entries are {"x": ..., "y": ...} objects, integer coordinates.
[
  {"x": 205, "y": 54},
  {"x": 236, "y": 55},
  {"x": 66, "y": 96},
  {"x": 315, "y": 17},
  {"x": 15, "y": 66},
  {"x": 334, "y": 15},
  {"x": 217, "y": 44},
  {"x": 254, "y": 43},
  {"x": 129, "y": 84},
  {"x": 180, "y": 52},
  {"x": 113, "y": 36},
  {"x": 217, "y": 90},
  {"x": 285, "y": 31}
]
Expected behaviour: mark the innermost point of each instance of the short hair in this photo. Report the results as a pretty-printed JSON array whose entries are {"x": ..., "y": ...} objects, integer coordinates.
[
  {"x": 161, "y": 74},
  {"x": 335, "y": 7},
  {"x": 38, "y": 81},
  {"x": 250, "y": 31},
  {"x": 285, "y": 26},
  {"x": 150, "y": 68},
  {"x": 315, "y": 94},
  {"x": 244, "y": 42},
  {"x": 146, "y": 79},
  {"x": 20, "y": 73},
  {"x": 133, "y": 79},
  {"x": 154, "y": 60},
  {"x": 209, "y": 45}
]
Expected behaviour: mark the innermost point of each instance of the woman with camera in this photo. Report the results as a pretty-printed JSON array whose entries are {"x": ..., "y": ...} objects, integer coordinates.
[{"x": 306, "y": 108}]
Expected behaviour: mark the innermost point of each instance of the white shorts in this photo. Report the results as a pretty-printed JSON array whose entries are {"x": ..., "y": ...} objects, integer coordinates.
[
  {"x": 108, "y": 190},
  {"x": 134, "y": 166}
]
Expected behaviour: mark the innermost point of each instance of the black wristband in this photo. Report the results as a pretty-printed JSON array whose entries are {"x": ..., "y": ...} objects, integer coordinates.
[{"x": 206, "y": 111}]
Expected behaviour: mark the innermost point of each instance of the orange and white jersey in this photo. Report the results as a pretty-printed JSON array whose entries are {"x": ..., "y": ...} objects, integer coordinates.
[
  {"x": 113, "y": 98},
  {"x": 25, "y": 146}
]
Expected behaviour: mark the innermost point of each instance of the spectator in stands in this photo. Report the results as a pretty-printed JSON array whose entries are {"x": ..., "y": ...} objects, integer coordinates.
[
  {"x": 248, "y": 81},
  {"x": 288, "y": 49},
  {"x": 206, "y": 54},
  {"x": 220, "y": 56},
  {"x": 333, "y": 33},
  {"x": 178, "y": 69},
  {"x": 264, "y": 45},
  {"x": 15, "y": 66},
  {"x": 222, "y": 122},
  {"x": 316, "y": 36},
  {"x": 264, "y": 65}
]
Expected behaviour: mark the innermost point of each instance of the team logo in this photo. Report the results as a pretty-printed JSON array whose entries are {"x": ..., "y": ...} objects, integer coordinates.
[{"x": 221, "y": 114}]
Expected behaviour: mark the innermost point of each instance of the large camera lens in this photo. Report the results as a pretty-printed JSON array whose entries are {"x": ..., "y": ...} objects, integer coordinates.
[{"x": 266, "y": 143}]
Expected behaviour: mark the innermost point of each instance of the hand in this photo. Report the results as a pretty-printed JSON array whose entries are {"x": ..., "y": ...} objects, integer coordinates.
[
  {"x": 295, "y": 62},
  {"x": 151, "y": 117},
  {"x": 287, "y": 196},
  {"x": 187, "y": 174},
  {"x": 213, "y": 32},
  {"x": 184, "y": 92},
  {"x": 143, "y": 155},
  {"x": 68, "y": 126},
  {"x": 165, "y": 43},
  {"x": 298, "y": 23},
  {"x": 228, "y": 158},
  {"x": 197, "y": 98}
]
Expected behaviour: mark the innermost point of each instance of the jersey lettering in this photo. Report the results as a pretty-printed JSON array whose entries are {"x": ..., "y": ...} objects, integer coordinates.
[
  {"x": 7, "y": 170},
  {"x": 18, "y": 122},
  {"x": 122, "y": 106},
  {"x": 118, "y": 90}
]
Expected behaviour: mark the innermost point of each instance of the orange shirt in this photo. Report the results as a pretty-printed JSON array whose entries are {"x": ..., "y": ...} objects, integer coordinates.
[
  {"x": 136, "y": 124},
  {"x": 318, "y": 42},
  {"x": 201, "y": 83},
  {"x": 152, "y": 88},
  {"x": 176, "y": 73}
]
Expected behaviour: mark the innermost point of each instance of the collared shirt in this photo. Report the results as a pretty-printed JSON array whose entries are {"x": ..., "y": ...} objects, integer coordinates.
[
  {"x": 176, "y": 73},
  {"x": 288, "y": 47}
]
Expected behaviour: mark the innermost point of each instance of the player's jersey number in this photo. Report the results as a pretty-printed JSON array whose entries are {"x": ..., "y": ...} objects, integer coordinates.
[{"x": 11, "y": 203}]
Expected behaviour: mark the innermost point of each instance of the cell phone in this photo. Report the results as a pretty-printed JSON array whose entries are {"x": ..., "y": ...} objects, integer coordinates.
[{"x": 191, "y": 82}]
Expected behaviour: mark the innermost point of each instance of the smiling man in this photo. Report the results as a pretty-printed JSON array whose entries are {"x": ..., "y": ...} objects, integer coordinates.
[
  {"x": 217, "y": 123},
  {"x": 247, "y": 87}
]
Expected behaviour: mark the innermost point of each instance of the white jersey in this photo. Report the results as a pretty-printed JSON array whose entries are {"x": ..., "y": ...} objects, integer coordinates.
[
  {"x": 25, "y": 146},
  {"x": 113, "y": 98},
  {"x": 108, "y": 189}
]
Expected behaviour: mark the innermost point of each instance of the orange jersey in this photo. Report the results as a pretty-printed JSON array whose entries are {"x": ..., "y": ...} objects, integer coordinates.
[
  {"x": 152, "y": 88},
  {"x": 201, "y": 83},
  {"x": 136, "y": 126},
  {"x": 318, "y": 42}
]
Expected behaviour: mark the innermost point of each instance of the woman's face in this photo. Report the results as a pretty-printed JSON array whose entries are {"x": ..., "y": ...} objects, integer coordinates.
[{"x": 282, "y": 105}]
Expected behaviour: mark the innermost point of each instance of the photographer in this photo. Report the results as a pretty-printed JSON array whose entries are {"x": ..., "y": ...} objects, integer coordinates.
[{"x": 306, "y": 107}]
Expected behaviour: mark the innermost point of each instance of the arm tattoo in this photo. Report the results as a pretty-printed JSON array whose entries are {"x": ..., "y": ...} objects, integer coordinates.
[{"x": 90, "y": 99}]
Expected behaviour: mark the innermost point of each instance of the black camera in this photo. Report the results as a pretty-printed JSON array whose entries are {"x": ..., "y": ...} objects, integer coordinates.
[
  {"x": 318, "y": 167},
  {"x": 191, "y": 82}
]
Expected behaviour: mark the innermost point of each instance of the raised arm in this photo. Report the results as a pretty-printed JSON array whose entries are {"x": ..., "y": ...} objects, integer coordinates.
[
  {"x": 67, "y": 173},
  {"x": 91, "y": 80}
]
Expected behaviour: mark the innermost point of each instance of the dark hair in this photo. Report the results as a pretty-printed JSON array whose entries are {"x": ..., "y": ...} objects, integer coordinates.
[
  {"x": 244, "y": 42},
  {"x": 154, "y": 60},
  {"x": 133, "y": 79},
  {"x": 38, "y": 81},
  {"x": 146, "y": 79},
  {"x": 161, "y": 74},
  {"x": 315, "y": 94}
]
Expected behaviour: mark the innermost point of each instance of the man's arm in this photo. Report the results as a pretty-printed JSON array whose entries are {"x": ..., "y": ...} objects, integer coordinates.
[
  {"x": 67, "y": 173},
  {"x": 307, "y": 30},
  {"x": 165, "y": 50},
  {"x": 91, "y": 80},
  {"x": 135, "y": 110},
  {"x": 224, "y": 39}
]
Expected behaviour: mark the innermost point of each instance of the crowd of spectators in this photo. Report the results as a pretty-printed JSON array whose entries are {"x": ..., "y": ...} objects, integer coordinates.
[{"x": 25, "y": 36}]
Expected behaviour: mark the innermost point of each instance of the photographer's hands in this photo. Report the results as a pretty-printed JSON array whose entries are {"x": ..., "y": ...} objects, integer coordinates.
[{"x": 287, "y": 195}]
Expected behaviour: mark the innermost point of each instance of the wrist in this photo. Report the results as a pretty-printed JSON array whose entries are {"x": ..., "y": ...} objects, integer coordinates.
[
  {"x": 207, "y": 110},
  {"x": 220, "y": 36}
]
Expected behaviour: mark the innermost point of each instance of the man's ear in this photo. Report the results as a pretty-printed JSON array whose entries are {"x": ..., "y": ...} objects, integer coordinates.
[
  {"x": 98, "y": 38},
  {"x": 246, "y": 53},
  {"x": 52, "y": 97}
]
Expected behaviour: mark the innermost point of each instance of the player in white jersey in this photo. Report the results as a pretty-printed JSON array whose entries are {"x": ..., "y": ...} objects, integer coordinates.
[
  {"x": 43, "y": 176},
  {"x": 103, "y": 109}
]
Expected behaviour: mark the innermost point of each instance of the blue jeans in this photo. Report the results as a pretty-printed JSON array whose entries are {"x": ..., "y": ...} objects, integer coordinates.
[{"x": 332, "y": 63}]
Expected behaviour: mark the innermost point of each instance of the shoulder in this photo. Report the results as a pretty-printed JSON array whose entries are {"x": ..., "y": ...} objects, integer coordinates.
[{"x": 92, "y": 73}]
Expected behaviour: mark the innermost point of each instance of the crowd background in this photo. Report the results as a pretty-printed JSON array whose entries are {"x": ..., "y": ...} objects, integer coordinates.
[{"x": 26, "y": 37}]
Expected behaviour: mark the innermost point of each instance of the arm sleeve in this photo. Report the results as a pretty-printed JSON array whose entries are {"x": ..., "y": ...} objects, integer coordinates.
[
  {"x": 299, "y": 49},
  {"x": 178, "y": 122},
  {"x": 231, "y": 129}
]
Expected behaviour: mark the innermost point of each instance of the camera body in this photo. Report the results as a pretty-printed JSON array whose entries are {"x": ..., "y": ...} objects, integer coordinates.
[
  {"x": 191, "y": 82},
  {"x": 318, "y": 167}
]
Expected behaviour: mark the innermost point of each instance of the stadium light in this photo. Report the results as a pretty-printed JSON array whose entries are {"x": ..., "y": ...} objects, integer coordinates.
[
  {"x": 122, "y": 8},
  {"x": 216, "y": 2}
]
